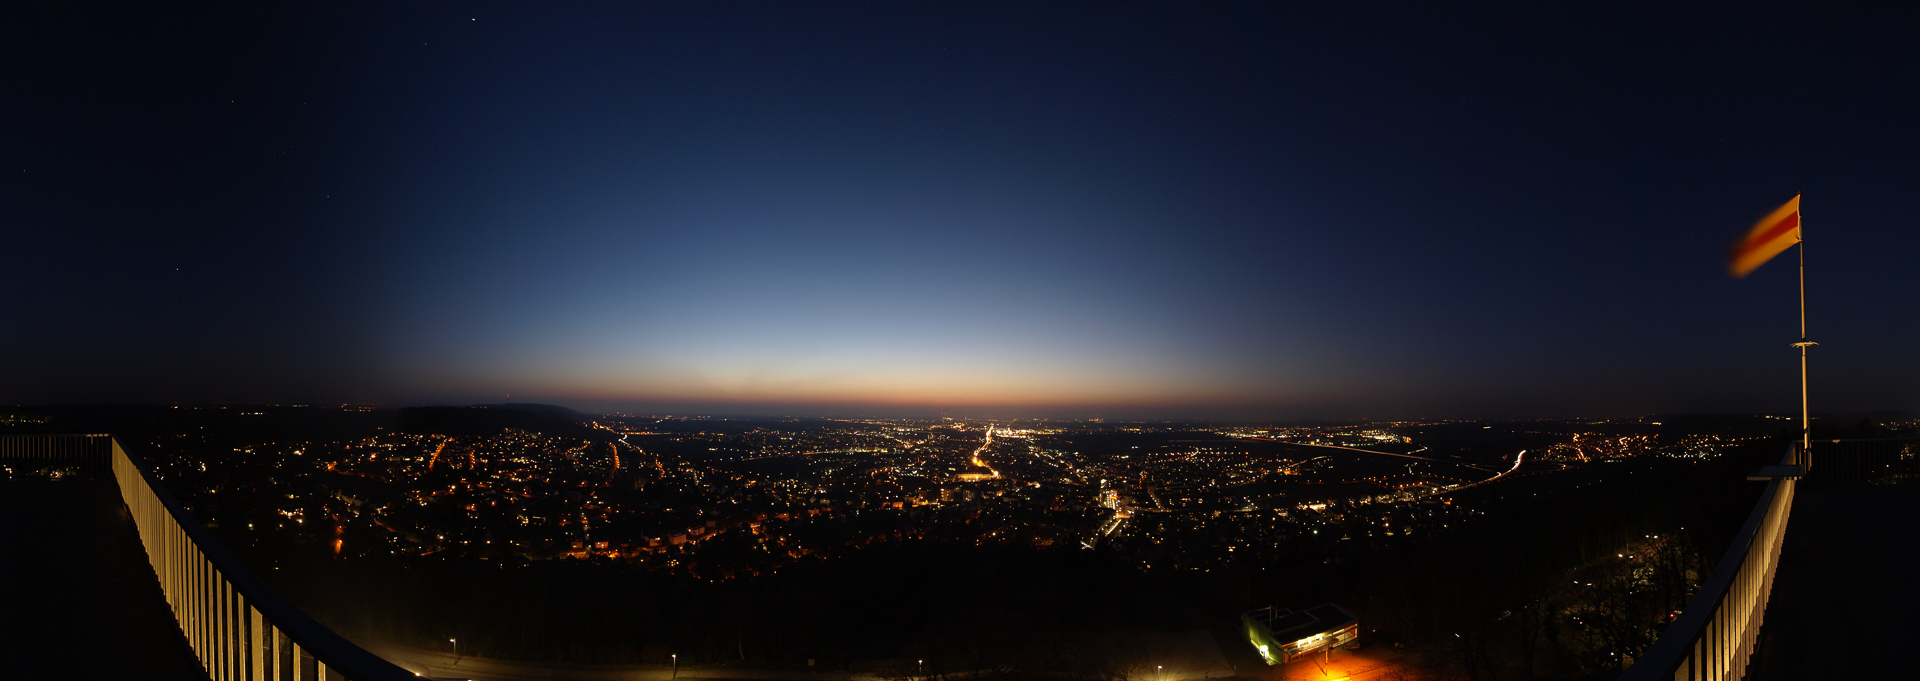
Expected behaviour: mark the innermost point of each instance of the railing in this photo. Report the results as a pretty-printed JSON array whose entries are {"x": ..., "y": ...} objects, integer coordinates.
[
  {"x": 54, "y": 453},
  {"x": 1877, "y": 461},
  {"x": 239, "y": 629},
  {"x": 1714, "y": 637}
]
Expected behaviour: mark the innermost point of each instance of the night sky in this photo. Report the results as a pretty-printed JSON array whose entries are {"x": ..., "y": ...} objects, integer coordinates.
[{"x": 1235, "y": 210}]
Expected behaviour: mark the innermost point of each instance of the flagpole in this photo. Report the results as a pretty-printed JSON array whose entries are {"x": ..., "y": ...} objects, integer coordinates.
[{"x": 1806, "y": 416}]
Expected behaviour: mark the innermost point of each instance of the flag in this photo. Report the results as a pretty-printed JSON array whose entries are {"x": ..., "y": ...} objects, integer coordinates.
[{"x": 1775, "y": 233}]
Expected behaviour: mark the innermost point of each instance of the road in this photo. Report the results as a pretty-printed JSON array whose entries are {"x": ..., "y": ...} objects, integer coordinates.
[
  {"x": 1517, "y": 459},
  {"x": 979, "y": 462},
  {"x": 1361, "y": 451}
]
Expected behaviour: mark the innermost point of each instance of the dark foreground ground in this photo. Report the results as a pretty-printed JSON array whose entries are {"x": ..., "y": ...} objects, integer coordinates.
[
  {"x": 80, "y": 601},
  {"x": 1846, "y": 597}
]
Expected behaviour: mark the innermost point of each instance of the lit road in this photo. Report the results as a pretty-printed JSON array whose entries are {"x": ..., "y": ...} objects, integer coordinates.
[
  {"x": 1517, "y": 459},
  {"x": 1107, "y": 528},
  {"x": 1359, "y": 451},
  {"x": 436, "y": 454},
  {"x": 1369, "y": 451},
  {"x": 977, "y": 461}
]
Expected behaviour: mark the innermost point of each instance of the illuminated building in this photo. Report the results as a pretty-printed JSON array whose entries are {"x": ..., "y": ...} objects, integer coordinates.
[{"x": 1287, "y": 635}]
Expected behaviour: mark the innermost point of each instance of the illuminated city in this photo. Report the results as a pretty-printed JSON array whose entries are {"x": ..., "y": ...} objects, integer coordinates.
[
  {"x": 719, "y": 498},
  {"x": 958, "y": 341},
  {"x": 734, "y": 503}
]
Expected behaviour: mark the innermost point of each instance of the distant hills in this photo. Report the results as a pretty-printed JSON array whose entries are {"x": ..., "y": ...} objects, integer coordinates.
[
  {"x": 550, "y": 410},
  {"x": 487, "y": 419}
]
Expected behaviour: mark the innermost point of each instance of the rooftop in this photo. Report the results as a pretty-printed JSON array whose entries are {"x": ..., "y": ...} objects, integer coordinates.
[
  {"x": 78, "y": 567},
  {"x": 1845, "y": 598}
]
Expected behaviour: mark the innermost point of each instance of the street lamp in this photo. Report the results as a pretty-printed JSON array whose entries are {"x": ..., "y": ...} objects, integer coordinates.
[
  {"x": 676, "y": 666},
  {"x": 923, "y": 668},
  {"x": 456, "y": 649}
]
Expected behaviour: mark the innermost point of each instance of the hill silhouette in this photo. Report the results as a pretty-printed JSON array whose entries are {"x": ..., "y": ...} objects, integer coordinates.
[
  {"x": 549, "y": 410},
  {"x": 487, "y": 419}
]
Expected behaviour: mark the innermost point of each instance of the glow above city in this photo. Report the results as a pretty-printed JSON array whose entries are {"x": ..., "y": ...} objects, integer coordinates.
[{"x": 1063, "y": 211}]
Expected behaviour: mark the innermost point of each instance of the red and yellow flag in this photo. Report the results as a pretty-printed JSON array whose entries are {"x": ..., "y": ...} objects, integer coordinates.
[{"x": 1777, "y": 232}]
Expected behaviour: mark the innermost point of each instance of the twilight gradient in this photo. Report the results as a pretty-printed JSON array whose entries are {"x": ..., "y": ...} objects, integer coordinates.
[{"x": 1222, "y": 210}]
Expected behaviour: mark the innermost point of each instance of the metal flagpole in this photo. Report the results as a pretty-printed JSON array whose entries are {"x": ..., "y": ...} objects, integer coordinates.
[{"x": 1806, "y": 416}]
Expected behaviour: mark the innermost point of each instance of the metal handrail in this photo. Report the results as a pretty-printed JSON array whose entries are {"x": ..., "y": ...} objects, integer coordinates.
[
  {"x": 1713, "y": 639},
  {"x": 237, "y": 626},
  {"x": 1714, "y": 636},
  {"x": 1865, "y": 460}
]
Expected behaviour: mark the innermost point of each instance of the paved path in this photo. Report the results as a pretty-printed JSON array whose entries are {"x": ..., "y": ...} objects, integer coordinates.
[
  {"x": 80, "y": 601},
  {"x": 1846, "y": 597}
]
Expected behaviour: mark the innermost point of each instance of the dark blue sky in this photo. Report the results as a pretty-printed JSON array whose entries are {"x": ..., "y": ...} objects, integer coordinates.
[{"x": 1239, "y": 210}]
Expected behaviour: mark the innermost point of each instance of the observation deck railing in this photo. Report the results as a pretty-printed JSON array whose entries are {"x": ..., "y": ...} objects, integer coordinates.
[
  {"x": 1714, "y": 637},
  {"x": 238, "y": 627},
  {"x": 1877, "y": 461}
]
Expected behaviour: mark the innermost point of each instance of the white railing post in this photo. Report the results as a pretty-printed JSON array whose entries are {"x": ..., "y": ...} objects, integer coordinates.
[
  {"x": 222, "y": 629},
  {"x": 200, "y": 610},
  {"x": 1719, "y": 644},
  {"x": 230, "y": 620},
  {"x": 256, "y": 644}
]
